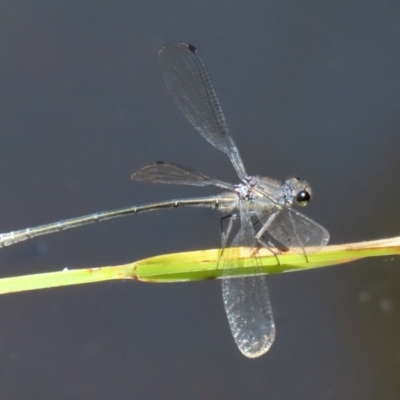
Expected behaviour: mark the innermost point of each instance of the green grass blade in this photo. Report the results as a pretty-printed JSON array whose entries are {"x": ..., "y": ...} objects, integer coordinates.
[{"x": 201, "y": 265}]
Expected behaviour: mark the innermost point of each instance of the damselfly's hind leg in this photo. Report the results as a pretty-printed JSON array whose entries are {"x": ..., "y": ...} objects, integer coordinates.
[{"x": 225, "y": 232}]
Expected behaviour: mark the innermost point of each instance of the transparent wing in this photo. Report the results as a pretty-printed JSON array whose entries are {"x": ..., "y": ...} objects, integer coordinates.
[
  {"x": 162, "y": 172},
  {"x": 190, "y": 85},
  {"x": 246, "y": 299},
  {"x": 293, "y": 229}
]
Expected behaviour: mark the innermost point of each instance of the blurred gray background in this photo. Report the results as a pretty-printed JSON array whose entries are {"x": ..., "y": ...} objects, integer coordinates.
[{"x": 309, "y": 88}]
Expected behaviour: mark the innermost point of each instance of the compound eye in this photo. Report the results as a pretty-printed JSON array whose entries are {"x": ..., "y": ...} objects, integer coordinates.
[{"x": 303, "y": 198}]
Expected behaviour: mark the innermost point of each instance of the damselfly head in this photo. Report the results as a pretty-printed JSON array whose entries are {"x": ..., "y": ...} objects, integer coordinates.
[{"x": 297, "y": 190}]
